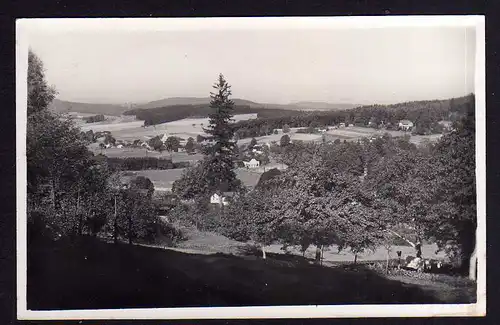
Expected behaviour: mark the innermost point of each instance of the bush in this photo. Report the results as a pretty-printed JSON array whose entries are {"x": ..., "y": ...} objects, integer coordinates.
[
  {"x": 95, "y": 118},
  {"x": 168, "y": 234}
]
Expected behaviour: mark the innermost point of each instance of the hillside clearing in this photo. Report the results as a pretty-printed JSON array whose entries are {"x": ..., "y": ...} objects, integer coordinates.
[
  {"x": 125, "y": 129},
  {"x": 163, "y": 179}
]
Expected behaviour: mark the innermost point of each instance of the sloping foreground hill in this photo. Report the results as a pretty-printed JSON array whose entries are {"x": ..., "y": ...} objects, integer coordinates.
[{"x": 94, "y": 275}]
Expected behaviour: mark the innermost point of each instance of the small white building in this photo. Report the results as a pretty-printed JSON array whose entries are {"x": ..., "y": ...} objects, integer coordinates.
[
  {"x": 119, "y": 146},
  {"x": 405, "y": 125},
  {"x": 146, "y": 145},
  {"x": 221, "y": 198},
  {"x": 342, "y": 125},
  {"x": 447, "y": 125},
  {"x": 254, "y": 163}
]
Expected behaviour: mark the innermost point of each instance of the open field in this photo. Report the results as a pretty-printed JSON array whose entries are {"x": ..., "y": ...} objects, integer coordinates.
[
  {"x": 207, "y": 243},
  {"x": 129, "y": 152},
  {"x": 91, "y": 274},
  {"x": 79, "y": 119},
  {"x": 347, "y": 133},
  {"x": 163, "y": 179},
  {"x": 127, "y": 128}
]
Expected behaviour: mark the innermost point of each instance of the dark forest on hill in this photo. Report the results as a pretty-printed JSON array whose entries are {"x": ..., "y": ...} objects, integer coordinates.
[
  {"x": 160, "y": 115},
  {"x": 424, "y": 114}
]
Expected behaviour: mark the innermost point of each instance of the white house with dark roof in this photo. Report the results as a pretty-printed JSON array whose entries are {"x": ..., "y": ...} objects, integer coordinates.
[
  {"x": 221, "y": 198},
  {"x": 405, "y": 125},
  {"x": 254, "y": 163},
  {"x": 447, "y": 125}
]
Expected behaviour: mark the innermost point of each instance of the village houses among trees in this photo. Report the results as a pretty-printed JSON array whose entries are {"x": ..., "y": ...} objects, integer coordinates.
[{"x": 357, "y": 195}]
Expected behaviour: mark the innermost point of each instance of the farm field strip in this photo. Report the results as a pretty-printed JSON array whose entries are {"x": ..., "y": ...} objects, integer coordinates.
[
  {"x": 163, "y": 179},
  {"x": 126, "y": 129}
]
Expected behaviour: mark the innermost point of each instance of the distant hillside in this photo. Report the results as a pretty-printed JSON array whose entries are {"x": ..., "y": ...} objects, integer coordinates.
[
  {"x": 174, "y": 101},
  {"x": 425, "y": 115},
  {"x": 158, "y": 115},
  {"x": 62, "y": 106},
  {"x": 323, "y": 105}
]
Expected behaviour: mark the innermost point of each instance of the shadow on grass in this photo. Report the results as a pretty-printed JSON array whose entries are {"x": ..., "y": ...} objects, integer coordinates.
[{"x": 91, "y": 274}]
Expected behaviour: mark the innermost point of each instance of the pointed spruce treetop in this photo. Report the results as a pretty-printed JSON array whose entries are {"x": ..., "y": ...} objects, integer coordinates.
[{"x": 220, "y": 131}]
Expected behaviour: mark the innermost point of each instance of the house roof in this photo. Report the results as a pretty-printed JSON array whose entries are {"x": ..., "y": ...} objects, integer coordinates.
[
  {"x": 445, "y": 122},
  {"x": 406, "y": 122},
  {"x": 223, "y": 193}
]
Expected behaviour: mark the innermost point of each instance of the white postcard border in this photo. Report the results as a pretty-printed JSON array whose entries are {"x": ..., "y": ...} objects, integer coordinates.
[{"x": 23, "y": 26}]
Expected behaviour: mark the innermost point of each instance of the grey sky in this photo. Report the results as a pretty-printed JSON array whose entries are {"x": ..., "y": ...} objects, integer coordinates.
[{"x": 383, "y": 65}]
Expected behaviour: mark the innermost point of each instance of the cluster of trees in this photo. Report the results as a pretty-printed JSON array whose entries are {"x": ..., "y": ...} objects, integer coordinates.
[
  {"x": 361, "y": 195},
  {"x": 71, "y": 192},
  {"x": 424, "y": 114},
  {"x": 309, "y": 130},
  {"x": 91, "y": 137},
  {"x": 173, "y": 144},
  {"x": 95, "y": 118},
  {"x": 143, "y": 163},
  {"x": 357, "y": 195},
  {"x": 260, "y": 128}
]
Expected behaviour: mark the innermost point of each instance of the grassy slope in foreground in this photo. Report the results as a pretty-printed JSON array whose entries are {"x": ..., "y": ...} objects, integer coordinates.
[{"x": 95, "y": 275}]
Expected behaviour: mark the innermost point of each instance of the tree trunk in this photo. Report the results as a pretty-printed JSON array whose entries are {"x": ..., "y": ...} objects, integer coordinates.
[
  {"x": 355, "y": 258},
  {"x": 80, "y": 225},
  {"x": 53, "y": 193},
  {"x": 130, "y": 230},
  {"x": 417, "y": 246},
  {"x": 80, "y": 217},
  {"x": 321, "y": 256},
  {"x": 387, "y": 263},
  {"x": 263, "y": 252},
  {"x": 115, "y": 226},
  {"x": 317, "y": 256},
  {"x": 473, "y": 265}
]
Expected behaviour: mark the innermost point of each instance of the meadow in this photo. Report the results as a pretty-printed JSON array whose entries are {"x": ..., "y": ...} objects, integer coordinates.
[
  {"x": 129, "y": 152},
  {"x": 203, "y": 242},
  {"x": 349, "y": 133},
  {"x": 127, "y": 128},
  {"x": 163, "y": 179}
]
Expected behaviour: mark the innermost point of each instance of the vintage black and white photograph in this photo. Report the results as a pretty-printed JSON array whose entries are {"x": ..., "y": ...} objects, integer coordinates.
[{"x": 317, "y": 167}]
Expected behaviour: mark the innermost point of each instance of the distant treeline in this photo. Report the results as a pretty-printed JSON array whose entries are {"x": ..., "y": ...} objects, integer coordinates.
[
  {"x": 424, "y": 114},
  {"x": 160, "y": 115},
  {"x": 142, "y": 163}
]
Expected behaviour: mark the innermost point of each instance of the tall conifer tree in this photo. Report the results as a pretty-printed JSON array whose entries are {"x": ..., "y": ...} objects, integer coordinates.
[{"x": 220, "y": 150}]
